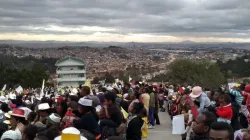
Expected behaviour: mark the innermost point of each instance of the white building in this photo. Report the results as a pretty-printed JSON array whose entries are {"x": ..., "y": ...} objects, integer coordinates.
[{"x": 70, "y": 72}]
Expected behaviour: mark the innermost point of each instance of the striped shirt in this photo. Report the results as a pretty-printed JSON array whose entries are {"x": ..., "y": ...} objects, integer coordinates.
[{"x": 238, "y": 96}]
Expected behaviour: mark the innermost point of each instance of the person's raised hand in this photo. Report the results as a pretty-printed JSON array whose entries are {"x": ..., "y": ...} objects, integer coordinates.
[{"x": 20, "y": 126}]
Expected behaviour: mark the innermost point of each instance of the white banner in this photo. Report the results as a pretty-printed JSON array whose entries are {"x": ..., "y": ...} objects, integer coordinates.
[
  {"x": 19, "y": 89},
  {"x": 178, "y": 124}
]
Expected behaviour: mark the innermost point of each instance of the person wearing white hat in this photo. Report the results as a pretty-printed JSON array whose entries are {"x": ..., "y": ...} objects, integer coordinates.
[
  {"x": 85, "y": 92},
  {"x": 26, "y": 111},
  {"x": 28, "y": 102},
  {"x": 3, "y": 99},
  {"x": 70, "y": 133},
  {"x": 17, "y": 116},
  {"x": 89, "y": 119},
  {"x": 12, "y": 96},
  {"x": 10, "y": 134},
  {"x": 53, "y": 119},
  {"x": 43, "y": 109},
  {"x": 17, "y": 121},
  {"x": 201, "y": 97}
]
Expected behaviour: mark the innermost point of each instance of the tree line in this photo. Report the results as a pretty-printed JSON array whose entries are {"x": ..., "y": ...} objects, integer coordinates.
[
  {"x": 27, "y": 78},
  {"x": 205, "y": 73},
  {"x": 26, "y": 71},
  {"x": 238, "y": 68}
]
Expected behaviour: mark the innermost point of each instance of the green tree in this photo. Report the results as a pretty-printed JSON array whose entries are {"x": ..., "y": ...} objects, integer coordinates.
[
  {"x": 239, "y": 67},
  {"x": 202, "y": 73},
  {"x": 229, "y": 74},
  {"x": 24, "y": 77}
]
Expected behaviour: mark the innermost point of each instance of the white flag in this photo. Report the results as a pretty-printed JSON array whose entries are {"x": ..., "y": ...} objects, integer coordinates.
[
  {"x": 4, "y": 87},
  {"x": 129, "y": 79},
  {"x": 42, "y": 93},
  {"x": 19, "y": 89}
]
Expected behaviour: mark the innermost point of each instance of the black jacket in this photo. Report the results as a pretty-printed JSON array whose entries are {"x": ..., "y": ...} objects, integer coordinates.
[
  {"x": 87, "y": 122},
  {"x": 134, "y": 128},
  {"x": 235, "y": 123},
  {"x": 196, "y": 137}
]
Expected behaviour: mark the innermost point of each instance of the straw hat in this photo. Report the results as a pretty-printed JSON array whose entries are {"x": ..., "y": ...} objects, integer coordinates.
[
  {"x": 7, "y": 122},
  {"x": 7, "y": 115},
  {"x": 196, "y": 92},
  {"x": 70, "y": 133},
  {"x": 18, "y": 112}
]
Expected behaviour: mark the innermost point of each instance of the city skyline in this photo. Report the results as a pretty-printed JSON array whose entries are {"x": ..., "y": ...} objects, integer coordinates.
[{"x": 125, "y": 20}]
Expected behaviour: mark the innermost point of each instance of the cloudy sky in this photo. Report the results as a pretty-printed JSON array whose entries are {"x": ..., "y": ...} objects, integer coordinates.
[{"x": 126, "y": 20}]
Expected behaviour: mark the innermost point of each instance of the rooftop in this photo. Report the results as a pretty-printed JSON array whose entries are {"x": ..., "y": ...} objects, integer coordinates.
[{"x": 69, "y": 59}]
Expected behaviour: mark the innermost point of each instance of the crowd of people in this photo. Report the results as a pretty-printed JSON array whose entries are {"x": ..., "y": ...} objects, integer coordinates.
[
  {"x": 124, "y": 112},
  {"x": 121, "y": 112},
  {"x": 218, "y": 114}
]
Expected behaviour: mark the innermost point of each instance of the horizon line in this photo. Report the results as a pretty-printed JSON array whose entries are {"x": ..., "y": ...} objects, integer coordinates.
[{"x": 185, "y": 41}]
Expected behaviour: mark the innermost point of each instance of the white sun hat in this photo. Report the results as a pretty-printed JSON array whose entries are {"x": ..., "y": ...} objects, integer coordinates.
[
  {"x": 26, "y": 111},
  {"x": 196, "y": 92},
  {"x": 12, "y": 96},
  {"x": 70, "y": 133},
  {"x": 72, "y": 94},
  {"x": 27, "y": 102},
  {"x": 10, "y": 134},
  {"x": 85, "y": 102},
  {"x": 109, "y": 88},
  {"x": 7, "y": 122},
  {"x": 7, "y": 115},
  {"x": 3, "y": 99},
  {"x": 43, "y": 106}
]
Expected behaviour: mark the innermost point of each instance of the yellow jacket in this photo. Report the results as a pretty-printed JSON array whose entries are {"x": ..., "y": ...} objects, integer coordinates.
[{"x": 144, "y": 130}]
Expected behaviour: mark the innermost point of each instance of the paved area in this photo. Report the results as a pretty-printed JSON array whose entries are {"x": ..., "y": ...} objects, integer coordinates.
[{"x": 163, "y": 131}]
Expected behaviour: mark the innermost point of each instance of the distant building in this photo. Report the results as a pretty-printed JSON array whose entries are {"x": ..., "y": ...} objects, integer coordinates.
[{"x": 70, "y": 72}]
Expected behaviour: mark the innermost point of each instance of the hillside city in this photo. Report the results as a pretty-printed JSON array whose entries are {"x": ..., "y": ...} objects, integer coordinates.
[{"x": 113, "y": 59}]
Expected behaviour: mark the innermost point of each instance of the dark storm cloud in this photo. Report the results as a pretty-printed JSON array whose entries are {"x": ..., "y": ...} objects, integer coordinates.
[{"x": 206, "y": 18}]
